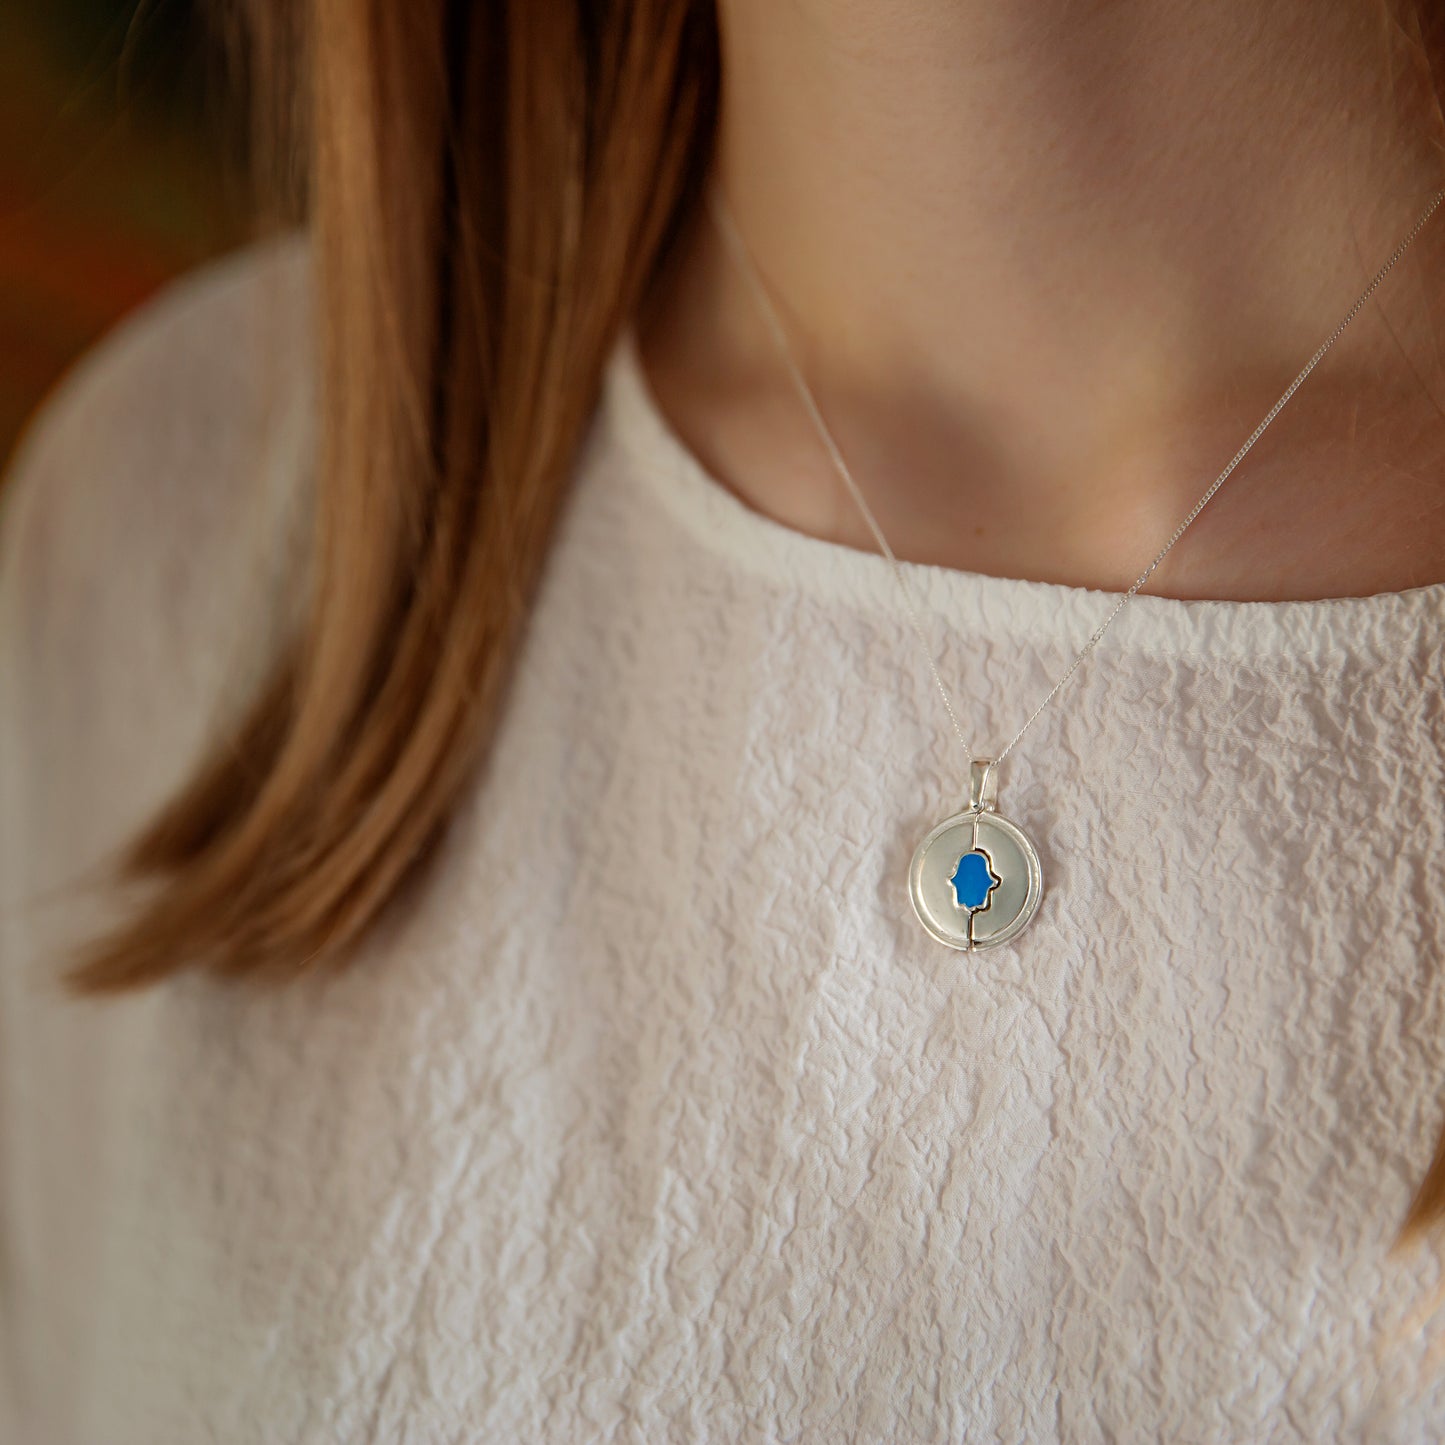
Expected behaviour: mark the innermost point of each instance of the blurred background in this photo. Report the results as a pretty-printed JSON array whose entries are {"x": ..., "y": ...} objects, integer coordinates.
[{"x": 119, "y": 168}]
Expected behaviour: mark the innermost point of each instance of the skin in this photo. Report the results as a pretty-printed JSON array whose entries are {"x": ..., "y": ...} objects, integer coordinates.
[{"x": 1047, "y": 266}]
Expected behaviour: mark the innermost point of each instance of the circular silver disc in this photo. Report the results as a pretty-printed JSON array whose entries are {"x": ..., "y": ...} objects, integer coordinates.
[{"x": 975, "y": 880}]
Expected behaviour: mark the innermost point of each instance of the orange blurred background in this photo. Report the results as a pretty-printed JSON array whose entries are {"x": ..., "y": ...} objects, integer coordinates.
[{"x": 118, "y": 169}]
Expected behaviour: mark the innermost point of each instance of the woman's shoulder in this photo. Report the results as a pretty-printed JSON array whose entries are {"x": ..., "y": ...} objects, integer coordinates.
[
  {"x": 197, "y": 377},
  {"x": 148, "y": 526}
]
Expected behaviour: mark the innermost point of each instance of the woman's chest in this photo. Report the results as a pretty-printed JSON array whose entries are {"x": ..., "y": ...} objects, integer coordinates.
[
  {"x": 1137, "y": 1170},
  {"x": 654, "y": 1113}
]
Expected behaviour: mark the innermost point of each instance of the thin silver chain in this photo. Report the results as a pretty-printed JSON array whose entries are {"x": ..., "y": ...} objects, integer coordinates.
[{"x": 742, "y": 256}]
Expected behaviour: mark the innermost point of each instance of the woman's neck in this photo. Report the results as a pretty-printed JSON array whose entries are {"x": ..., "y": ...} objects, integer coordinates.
[{"x": 1047, "y": 266}]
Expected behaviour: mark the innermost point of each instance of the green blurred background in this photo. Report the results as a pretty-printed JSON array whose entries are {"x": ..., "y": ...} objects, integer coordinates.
[{"x": 119, "y": 168}]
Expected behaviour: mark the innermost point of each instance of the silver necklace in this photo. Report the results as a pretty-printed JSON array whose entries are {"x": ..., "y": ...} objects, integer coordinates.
[{"x": 975, "y": 878}]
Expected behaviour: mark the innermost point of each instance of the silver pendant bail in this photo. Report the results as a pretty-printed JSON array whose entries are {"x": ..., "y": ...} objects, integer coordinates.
[{"x": 983, "y": 785}]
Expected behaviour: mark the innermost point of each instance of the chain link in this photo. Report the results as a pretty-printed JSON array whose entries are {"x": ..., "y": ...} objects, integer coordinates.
[{"x": 743, "y": 258}]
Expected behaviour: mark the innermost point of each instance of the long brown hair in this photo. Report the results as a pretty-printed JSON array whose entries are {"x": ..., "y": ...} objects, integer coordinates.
[{"x": 490, "y": 188}]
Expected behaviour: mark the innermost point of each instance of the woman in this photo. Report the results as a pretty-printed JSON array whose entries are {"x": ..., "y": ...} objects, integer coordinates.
[{"x": 519, "y": 1020}]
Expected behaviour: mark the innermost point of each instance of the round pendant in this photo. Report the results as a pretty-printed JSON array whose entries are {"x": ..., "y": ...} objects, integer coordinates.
[{"x": 975, "y": 879}]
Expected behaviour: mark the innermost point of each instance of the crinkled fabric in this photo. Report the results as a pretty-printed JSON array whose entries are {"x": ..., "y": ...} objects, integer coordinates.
[{"x": 649, "y": 1112}]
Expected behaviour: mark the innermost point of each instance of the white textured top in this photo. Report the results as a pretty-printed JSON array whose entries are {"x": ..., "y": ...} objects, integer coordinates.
[{"x": 653, "y": 1114}]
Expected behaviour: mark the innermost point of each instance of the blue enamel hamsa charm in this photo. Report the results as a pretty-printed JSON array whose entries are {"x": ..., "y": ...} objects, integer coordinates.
[{"x": 975, "y": 879}]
